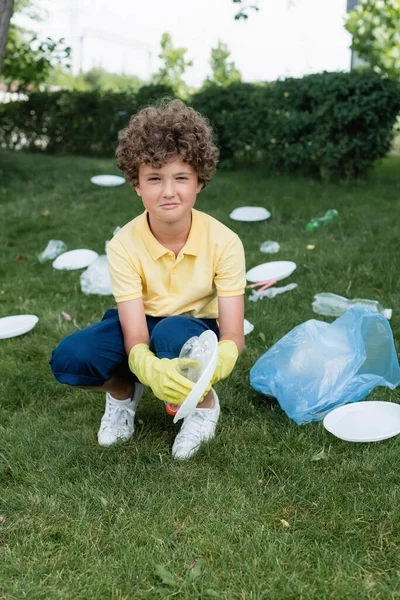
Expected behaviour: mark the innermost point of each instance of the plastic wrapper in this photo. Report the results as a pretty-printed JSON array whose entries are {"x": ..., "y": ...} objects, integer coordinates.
[
  {"x": 53, "y": 249},
  {"x": 96, "y": 279},
  {"x": 270, "y": 247},
  {"x": 319, "y": 366}
]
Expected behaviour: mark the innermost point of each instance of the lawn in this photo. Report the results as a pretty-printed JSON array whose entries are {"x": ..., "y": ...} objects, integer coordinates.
[{"x": 83, "y": 522}]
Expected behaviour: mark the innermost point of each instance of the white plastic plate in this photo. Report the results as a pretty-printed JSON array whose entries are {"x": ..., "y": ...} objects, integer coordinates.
[
  {"x": 277, "y": 270},
  {"x": 75, "y": 259},
  {"x": 250, "y": 213},
  {"x": 107, "y": 180},
  {"x": 197, "y": 392},
  {"x": 248, "y": 327},
  {"x": 16, "y": 325},
  {"x": 364, "y": 421}
]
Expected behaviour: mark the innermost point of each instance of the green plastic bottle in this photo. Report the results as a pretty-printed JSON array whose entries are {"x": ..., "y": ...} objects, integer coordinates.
[{"x": 330, "y": 215}]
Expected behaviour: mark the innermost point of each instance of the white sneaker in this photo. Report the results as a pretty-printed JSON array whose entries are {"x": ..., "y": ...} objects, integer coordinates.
[
  {"x": 196, "y": 428},
  {"x": 117, "y": 422}
]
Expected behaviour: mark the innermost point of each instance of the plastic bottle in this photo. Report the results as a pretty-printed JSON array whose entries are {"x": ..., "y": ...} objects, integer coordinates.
[
  {"x": 331, "y": 305},
  {"x": 330, "y": 215},
  {"x": 191, "y": 351}
]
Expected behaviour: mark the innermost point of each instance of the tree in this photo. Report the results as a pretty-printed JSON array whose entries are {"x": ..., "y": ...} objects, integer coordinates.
[
  {"x": 117, "y": 82},
  {"x": 96, "y": 78},
  {"x": 6, "y": 11},
  {"x": 375, "y": 27},
  {"x": 174, "y": 66},
  {"x": 29, "y": 61},
  {"x": 224, "y": 72}
]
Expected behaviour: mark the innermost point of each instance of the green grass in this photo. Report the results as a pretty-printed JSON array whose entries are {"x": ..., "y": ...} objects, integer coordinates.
[{"x": 85, "y": 523}]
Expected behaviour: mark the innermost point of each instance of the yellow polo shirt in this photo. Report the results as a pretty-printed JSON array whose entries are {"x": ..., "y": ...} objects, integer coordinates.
[{"x": 210, "y": 264}]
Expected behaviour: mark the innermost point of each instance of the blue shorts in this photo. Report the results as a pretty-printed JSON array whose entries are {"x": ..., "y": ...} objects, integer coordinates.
[{"x": 91, "y": 356}]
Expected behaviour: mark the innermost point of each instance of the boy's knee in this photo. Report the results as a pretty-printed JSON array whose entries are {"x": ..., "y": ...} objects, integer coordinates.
[
  {"x": 70, "y": 362},
  {"x": 170, "y": 334}
]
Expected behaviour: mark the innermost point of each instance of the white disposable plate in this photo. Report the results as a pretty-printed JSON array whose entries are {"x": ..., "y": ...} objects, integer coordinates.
[
  {"x": 197, "y": 392},
  {"x": 75, "y": 259},
  {"x": 364, "y": 421},
  {"x": 16, "y": 325},
  {"x": 248, "y": 327},
  {"x": 275, "y": 270},
  {"x": 107, "y": 180},
  {"x": 250, "y": 213}
]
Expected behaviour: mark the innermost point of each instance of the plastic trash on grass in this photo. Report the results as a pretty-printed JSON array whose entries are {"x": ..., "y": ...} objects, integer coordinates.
[
  {"x": 319, "y": 366},
  {"x": 270, "y": 247},
  {"x": 53, "y": 249},
  {"x": 272, "y": 292},
  {"x": 332, "y": 305},
  {"x": 96, "y": 279},
  {"x": 248, "y": 327}
]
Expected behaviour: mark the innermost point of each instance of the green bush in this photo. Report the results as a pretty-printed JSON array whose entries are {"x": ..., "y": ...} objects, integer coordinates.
[
  {"x": 234, "y": 113},
  {"x": 328, "y": 124},
  {"x": 72, "y": 122}
]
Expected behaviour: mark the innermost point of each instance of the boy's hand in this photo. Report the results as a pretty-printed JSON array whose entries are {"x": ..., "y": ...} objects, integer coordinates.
[
  {"x": 227, "y": 356},
  {"x": 160, "y": 374}
]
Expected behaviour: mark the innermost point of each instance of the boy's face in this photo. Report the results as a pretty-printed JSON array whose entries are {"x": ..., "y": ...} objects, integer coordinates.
[{"x": 169, "y": 193}]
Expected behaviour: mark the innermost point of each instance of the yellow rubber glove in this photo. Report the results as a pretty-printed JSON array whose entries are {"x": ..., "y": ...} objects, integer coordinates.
[
  {"x": 160, "y": 374},
  {"x": 227, "y": 356}
]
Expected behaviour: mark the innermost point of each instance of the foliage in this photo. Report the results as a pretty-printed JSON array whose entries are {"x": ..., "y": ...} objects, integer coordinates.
[
  {"x": 29, "y": 9},
  {"x": 173, "y": 67},
  {"x": 94, "y": 79},
  {"x": 328, "y": 125},
  {"x": 244, "y": 9},
  {"x": 29, "y": 61},
  {"x": 234, "y": 113},
  {"x": 223, "y": 72},
  {"x": 66, "y": 80},
  {"x": 149, "y": 94},
  {"x": 72, "y": 122},
  {"x": 375, "y": 27},
  {"x": 117, "y": 82}
]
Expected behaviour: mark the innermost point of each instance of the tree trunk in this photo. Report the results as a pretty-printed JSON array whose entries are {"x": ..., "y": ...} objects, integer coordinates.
[{"x": 6, "y": 10}]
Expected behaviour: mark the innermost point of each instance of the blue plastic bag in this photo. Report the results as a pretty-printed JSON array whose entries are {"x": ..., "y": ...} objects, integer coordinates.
[{"x": 318, "y": 366}]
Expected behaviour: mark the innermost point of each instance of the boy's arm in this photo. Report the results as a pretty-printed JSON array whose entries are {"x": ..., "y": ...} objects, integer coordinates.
[
  {"x": 231, "y": 320},
  {"x": 133, "y": 323},
  {"x": 231, "y": 327}
]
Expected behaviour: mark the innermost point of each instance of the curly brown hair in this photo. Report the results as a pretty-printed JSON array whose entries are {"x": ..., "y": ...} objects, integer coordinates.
[{"x": 164, "y": 132}]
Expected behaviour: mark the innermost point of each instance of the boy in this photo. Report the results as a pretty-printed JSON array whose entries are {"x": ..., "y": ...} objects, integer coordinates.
[{"x": 174, "y": 271}]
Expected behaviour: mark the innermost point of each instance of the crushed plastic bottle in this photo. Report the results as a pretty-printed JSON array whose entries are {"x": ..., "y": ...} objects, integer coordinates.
[
  {"x": 332, "y": 305},
  {"x": 272, "y": 292},
  {"x": 330, "y": 215},
  {"x": 96, "y": 279},
  {"x": 270, "y": 247},
  {"x": 53, "y": 249},
  {"x": 193, "y": 359}
]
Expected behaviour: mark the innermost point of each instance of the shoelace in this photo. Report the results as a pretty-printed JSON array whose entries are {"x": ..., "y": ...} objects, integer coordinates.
[{"x": 117, "y": 414}]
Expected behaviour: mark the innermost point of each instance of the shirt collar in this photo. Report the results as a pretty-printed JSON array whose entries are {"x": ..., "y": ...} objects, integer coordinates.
[{"x": 193, "y": 243}]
